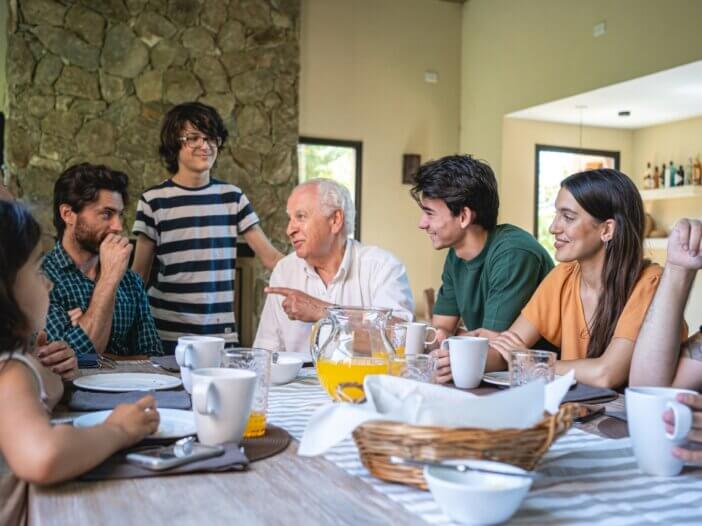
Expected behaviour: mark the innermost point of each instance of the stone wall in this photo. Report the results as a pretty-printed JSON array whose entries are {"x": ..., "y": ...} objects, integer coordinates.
[{"x": 90, "y": 80}]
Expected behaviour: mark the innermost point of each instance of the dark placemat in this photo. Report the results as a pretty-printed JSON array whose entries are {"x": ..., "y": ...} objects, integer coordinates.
[
  {"x": 613, "y": 428},
  {"x": 167, "y": 363},
  {"x": 92, "y": 401},
  {"x": 273, "y": 442},
  {"x": 117, "y": 467}
]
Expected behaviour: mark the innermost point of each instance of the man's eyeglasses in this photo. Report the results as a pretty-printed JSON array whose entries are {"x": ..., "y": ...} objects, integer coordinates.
[{"x": 196, "y": 141}]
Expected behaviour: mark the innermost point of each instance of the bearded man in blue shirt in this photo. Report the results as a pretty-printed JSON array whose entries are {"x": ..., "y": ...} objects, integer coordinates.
[{"x": 97, "y": 305}]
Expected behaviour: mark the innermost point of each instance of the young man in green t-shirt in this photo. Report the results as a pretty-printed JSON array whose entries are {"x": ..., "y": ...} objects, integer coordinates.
[{"x": 491, "y": 270}]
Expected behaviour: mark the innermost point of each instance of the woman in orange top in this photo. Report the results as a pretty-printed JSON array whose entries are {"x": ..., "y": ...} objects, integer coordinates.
[{"x": 593, "y": 303}]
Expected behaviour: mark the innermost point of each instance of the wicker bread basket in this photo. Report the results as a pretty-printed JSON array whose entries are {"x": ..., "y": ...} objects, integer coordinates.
[{"x": 377, "y": 441}]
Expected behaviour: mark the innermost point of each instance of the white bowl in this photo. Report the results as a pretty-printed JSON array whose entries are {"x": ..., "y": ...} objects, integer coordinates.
[
  {"x": 477, "y": 498},
  {"x": 285, "y": 370}
]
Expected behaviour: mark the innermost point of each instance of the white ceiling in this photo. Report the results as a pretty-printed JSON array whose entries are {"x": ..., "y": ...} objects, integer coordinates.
[{"x": 669, "y": 95}]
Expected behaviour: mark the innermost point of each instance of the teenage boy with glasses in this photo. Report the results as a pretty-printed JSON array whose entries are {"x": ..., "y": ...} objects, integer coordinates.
[{"x": 190, "y": 224}]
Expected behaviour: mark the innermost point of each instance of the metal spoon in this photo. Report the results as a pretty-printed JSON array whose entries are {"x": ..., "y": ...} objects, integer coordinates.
[{"x": 462, "y": 468}]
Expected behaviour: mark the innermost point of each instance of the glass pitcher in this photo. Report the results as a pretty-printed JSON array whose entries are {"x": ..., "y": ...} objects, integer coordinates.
[{"x": 355, "y": 345}]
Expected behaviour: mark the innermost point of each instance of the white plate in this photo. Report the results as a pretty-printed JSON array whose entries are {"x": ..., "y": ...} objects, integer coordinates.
[
  {"x": 502, "y": 378},
  {"x": 121, "y": 382},
  {"x": 175, "y": 423}
]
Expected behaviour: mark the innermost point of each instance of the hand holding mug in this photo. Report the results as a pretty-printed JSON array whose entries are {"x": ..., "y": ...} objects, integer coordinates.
[
  {"x": 467, "y": 357},
  {"x": 694, "y": 402},
  {"x": 443, "y": 365},
  {"x": 657, "y": 444}
]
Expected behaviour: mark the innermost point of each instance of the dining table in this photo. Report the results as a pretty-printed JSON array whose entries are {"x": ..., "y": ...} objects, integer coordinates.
[{"x": 590, "y": 477}]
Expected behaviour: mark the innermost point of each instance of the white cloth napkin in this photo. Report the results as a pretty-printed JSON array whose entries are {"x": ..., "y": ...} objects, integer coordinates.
[{"x": 401, "y": 400}]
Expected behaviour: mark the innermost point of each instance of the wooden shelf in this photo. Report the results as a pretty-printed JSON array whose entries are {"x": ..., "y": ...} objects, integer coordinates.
[
  {"x": 676, "y": 192},
  {"x": 656, "y": 243}
]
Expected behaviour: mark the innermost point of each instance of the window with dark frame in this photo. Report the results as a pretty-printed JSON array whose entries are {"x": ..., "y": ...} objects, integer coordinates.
[
  {"x": 334, "y": 159},
  {"x": 553, "y": 164}
]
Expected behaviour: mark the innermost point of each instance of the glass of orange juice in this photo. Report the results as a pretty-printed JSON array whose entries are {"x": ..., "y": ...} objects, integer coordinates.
[
  {"x": 397, "y": 334},
  {"x": 258, "y": 361}
]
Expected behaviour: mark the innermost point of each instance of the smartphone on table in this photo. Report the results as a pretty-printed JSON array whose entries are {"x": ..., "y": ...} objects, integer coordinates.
[{"x": 160, "y": 458}]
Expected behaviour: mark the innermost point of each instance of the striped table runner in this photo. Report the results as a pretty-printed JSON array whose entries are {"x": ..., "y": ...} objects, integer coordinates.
[{"x": 591, "y": 480}]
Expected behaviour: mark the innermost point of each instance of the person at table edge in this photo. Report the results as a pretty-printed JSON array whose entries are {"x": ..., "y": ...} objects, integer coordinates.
[
  {"x": 593, "y": 303},
  {"x": 32, "y": 449},
  {"x": 661, "y": 357},
  {"x": 97, "y": 304},
  {"x": 491, "y": 270},
  {"x": 327, "y": 268}
]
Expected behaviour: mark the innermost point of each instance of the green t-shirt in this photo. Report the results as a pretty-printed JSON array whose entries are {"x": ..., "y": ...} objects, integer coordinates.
[{"x": 491, "y": 289}]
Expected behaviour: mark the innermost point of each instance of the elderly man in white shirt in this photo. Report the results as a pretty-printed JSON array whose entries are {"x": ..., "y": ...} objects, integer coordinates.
[{"x": 327, "y": 268}]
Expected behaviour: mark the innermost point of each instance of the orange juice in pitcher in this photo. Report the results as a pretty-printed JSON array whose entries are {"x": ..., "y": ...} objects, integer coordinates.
[
  {"x": 355, "y": 346},
  {"x": 343, "y": 380}
]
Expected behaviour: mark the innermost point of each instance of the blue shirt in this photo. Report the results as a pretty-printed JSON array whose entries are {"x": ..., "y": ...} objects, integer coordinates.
[{"x": 133, "y": 330}]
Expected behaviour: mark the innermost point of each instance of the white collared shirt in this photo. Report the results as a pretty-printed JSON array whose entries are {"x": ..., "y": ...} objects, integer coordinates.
[{"x": 367, "y": 277}]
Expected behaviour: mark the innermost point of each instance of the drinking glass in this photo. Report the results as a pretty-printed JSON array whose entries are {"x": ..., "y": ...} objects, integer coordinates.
[
  {"x": 397, "y": 334},
  {"x": 258, "y": 361},
  {"x": 418, "y": 367},
  {"x": 528, "y": 365}
]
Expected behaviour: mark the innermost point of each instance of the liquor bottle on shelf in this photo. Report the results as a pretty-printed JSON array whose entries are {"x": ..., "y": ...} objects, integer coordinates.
[
  {"x": 697, "y": 172},
  {"x": 648, "y": 178},
  {"x": 671, "y": 175},
  {"x": 664, "y": 176},
  {"x": 656, "y": 177},
  {"x": 680, "y": 176},
  {"x": 688, "y": 172}
]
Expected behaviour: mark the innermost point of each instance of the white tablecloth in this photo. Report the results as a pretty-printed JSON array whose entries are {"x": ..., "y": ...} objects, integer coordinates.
[{"x": 591, "y": 480}]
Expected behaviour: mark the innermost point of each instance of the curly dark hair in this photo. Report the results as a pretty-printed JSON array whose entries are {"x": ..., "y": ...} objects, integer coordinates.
[
  {"x": 19, "y": 236},
  {"x": 460, "y": 181},
  {"x": 79, "y": 186},
  {"x": 201, "y": 116}
]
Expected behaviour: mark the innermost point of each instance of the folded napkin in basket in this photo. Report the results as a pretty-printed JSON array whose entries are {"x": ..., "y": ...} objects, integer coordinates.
[
  {"x": 401, "y": 400},
  {"x": 90, "y": 401},
  {"x": 117, "y": 467}
]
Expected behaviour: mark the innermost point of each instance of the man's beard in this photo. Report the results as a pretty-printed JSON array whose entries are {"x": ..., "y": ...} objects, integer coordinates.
[{"x": 88, "y": 239}]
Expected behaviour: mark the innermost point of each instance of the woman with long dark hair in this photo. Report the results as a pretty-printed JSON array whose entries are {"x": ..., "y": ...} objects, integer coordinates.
[
  {"x": 593, "y": 303},
  {"x": 31, "y": 449}
]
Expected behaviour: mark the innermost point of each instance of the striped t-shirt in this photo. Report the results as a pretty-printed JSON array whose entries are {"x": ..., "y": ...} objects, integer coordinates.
[{"x": 195, "y": 231}]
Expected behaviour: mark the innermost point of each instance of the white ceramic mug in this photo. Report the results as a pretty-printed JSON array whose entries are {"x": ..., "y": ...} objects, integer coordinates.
[
  {"x": 416, "y": 337},
  {"x": 652, "y": 445},
  {"x": 197, "y": 352},
  {"x": 221, "y": 403},
  {"x": 467, "y": 355}
]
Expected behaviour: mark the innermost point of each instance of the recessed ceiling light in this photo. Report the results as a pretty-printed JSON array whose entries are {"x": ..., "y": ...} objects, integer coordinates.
[{"x": 624, "y": 113}]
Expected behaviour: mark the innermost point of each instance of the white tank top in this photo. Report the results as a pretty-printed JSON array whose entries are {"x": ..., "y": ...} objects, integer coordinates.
[{"x": 13, "y": 492}]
